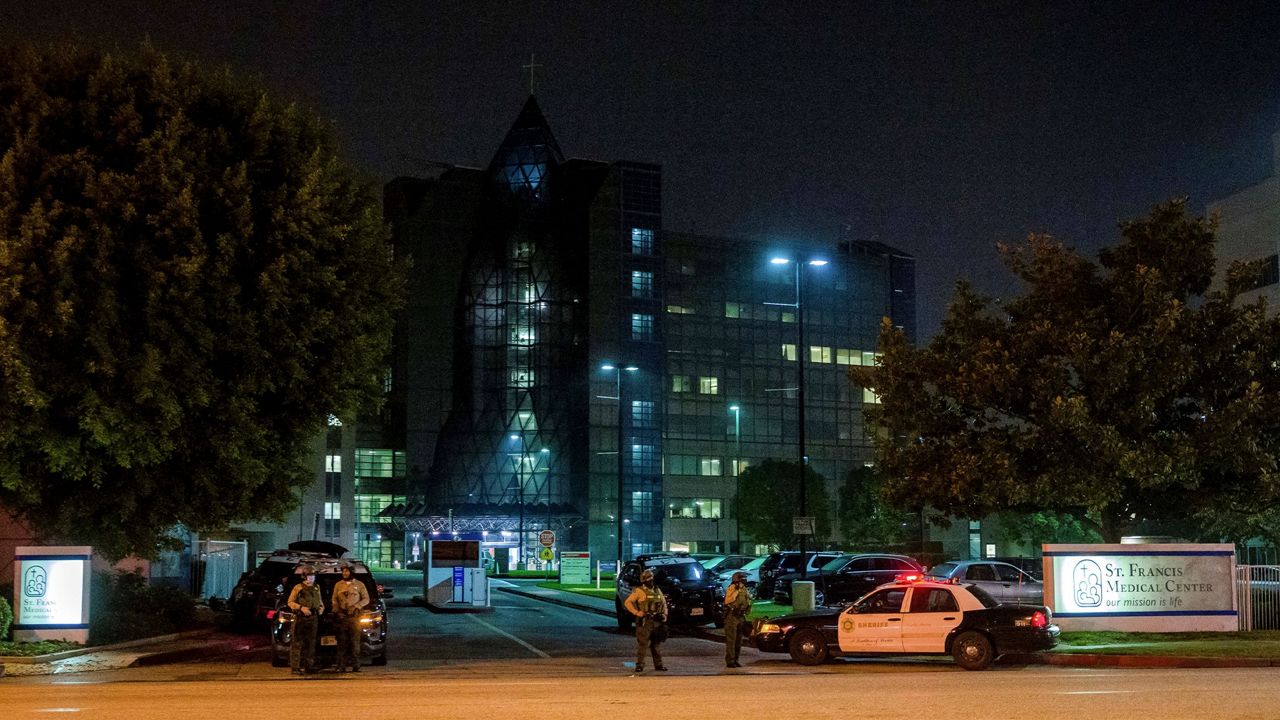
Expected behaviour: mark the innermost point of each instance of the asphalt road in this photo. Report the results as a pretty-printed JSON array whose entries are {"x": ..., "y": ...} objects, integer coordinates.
[{"x": 529, "y": 659}]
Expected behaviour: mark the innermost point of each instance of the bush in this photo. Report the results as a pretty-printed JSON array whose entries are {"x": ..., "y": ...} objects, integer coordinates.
[
  {"x": 6, "y": 618},
  {"x": 125, "y": 607}
]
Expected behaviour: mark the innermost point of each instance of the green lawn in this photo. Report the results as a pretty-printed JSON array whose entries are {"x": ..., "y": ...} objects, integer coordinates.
[
  {"x": 27, "y": 649},
  {"x": 1256, "y": 644},
  {"x": 606, "y": 592}
]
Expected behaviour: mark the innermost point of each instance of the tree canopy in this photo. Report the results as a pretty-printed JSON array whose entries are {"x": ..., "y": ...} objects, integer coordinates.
[
  {"x": 866, "y": 520},
  {"x": 190, "y": 282},
  {"x": 769, "y": 497},
  {"x": 1120, "y": 389}
]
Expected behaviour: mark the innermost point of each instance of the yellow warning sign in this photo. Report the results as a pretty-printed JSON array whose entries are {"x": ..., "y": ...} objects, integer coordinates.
[{"x": 546, "y": 554}]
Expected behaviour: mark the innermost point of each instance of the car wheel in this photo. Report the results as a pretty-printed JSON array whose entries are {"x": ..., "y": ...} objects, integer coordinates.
[
  {"x": 808, "y": 647},
  {"x": 972, "y": 651},
  {"x": 819, "y": 597},
  {"x": 279, "y": 660},
  {"x": 624, "y": 617}
]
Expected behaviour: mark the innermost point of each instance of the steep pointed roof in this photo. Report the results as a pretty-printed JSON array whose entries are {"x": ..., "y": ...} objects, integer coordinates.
[{"x": 527, "y": 154}]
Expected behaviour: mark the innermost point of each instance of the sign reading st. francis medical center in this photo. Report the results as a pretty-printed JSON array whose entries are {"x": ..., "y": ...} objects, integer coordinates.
[
  {"x": 51, "y": 593},
  {"x": 1142, "y": 588}
]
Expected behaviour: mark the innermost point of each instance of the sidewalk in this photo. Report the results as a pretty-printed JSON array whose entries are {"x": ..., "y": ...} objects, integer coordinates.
[
  {"x": 179, "y": 647},
  {"x": 1071, "y": 659}
]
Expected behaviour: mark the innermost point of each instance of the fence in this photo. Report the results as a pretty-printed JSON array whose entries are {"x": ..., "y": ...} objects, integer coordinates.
[
  {"x": 1258, "y": 596},
  {"x": 219, "y": 565}
]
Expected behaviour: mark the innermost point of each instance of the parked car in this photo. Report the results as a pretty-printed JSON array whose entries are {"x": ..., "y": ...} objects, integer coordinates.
[
  {"x": 752, "y": 570},
  {"x": 258, "y": 590},
  {"x": 373, "y": 621},
  {"x": 913, "y": 618},
  {"x": 788, "y": 561},
  {"x": 726, "y": 564},
  {"x": 1002, "y": 581},
  {"x": 848, "y": 577},
  {"x": 1032, "y": 566},
  {"x": 694, "y": 596}
]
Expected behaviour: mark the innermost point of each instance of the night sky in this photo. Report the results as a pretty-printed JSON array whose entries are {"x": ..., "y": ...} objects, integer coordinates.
[{"x": 938, "y": 128}]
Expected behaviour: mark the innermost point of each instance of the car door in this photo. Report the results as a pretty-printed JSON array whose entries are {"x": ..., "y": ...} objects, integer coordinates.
[
  {"x": 853, "y": 581},
  {"x": 1018, "y": 586},
  {"x": 984, "y": 576},
  {"x": 875, "y": 624},
  {"x": 932, "y": 614}
]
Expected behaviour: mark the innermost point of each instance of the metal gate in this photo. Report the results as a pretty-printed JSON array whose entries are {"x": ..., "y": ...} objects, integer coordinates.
[
  {"x": 1258, "y": 596},
  {"x": 219, "y": 565}
]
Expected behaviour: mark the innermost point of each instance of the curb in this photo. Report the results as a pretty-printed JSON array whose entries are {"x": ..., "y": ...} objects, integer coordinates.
[
  {"x": 54, "y": 657},
  {"x": 200, "y": 652},
  {"x": 1148, "y": 661}
]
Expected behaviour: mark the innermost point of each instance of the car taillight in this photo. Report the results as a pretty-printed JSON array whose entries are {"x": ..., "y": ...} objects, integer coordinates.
[
  {"x": 271, "y": 614},
  {"x": 1039, "y": 620}
]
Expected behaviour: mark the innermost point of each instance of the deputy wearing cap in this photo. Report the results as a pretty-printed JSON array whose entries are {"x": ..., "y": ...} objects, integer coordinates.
[
  {"x": 737, "y": 604},
  {"x": 307, "y": 604},
  {"x": 649, "y": 607}
]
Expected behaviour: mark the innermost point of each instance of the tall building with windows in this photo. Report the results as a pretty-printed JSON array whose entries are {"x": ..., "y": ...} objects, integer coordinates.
[
  {"x": 1249, "y": 230},
  {"x": 564, "y": 363}
]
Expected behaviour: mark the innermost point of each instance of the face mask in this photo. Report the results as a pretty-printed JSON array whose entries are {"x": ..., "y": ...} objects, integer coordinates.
[{"x": 311, "y": 579}]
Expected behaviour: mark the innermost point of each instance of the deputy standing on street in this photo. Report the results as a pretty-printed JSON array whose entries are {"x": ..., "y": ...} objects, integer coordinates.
[
  {"x": 306, "y": 603},
  {"x": 737, "y": 605},
  {"x": 349, "y": 598},
  {"x": 649, "y": 607}
]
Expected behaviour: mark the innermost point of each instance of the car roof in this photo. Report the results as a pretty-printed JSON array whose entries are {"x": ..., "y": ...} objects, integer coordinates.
[
  {"x": 323, "y": 566},
  {"x": 673, "y": 560}
]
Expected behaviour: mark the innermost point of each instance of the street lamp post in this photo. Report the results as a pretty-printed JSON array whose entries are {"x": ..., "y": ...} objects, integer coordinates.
[
  {"x": 617, "y": 379},
  {"x": 737, "y": 475},
  {"x": 801, "y": 353},
  {"x": 520, "y": 497}
]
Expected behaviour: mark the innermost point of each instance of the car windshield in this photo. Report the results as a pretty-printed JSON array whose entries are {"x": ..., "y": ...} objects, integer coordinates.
[
  {"x": 684, "y": 572},
  {"x": 838, "y": 564},
  {"x": 942, "y": 571},
  {"x": 326, "y": 581},
  {"x": 983, "y": 596},
  {"x": 275, "y": 569},
  {"x": 754, "y": 564}
]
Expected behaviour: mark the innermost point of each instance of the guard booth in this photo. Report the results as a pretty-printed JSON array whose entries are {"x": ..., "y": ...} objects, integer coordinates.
[{"x": 453, "y": 576}]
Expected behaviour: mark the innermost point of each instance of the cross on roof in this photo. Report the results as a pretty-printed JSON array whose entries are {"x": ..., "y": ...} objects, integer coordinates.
[{"x": 531, "y": 67}]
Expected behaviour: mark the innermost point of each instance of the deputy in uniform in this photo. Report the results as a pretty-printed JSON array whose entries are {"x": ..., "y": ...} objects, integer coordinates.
[
  {"x": 649, "y": 607},
  {"x": 350, "y": 597},
  {"x": 737, "y": 604},
  {"x": 306, "y": 603}
]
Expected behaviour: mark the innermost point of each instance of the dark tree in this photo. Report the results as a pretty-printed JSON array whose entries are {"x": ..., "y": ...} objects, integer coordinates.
[
  {"x": 1121, "y": 390},
  {"x": 190, "y": 282},
  {"x": 866, "y": 519},
  {"x": 769, "y": 497}
]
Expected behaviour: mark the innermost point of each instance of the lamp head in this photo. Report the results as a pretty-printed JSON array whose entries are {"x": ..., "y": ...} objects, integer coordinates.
[{"x": 780, "y": 261}]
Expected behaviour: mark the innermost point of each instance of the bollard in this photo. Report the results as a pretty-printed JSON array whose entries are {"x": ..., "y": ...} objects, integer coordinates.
[{"x": 802, "y": 596}]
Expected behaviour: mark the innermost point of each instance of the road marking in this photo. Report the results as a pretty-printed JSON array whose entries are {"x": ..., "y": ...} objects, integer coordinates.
[
  {"x": 509, "y": 636},
  {"x": 1096, "y": 692}
]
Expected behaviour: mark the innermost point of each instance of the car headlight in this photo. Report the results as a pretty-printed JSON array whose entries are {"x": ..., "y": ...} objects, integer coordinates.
[
  {"x": 370, "y": 618},
  {"x": 770, "y": 628}
]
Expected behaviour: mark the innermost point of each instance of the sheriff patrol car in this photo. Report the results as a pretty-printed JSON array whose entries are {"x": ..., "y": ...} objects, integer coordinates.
[{"x": 913, "y": 617}]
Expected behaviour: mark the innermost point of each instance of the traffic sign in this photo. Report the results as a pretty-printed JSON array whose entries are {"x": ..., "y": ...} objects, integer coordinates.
[
  {"x": 801, "y": 525},
  {"x": 547, "y": 538},
  {"x": 546, "y": 554}
]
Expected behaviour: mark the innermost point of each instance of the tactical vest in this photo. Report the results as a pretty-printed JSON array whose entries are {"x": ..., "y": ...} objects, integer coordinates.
[
  {"x": 654, "y": 603},
  {"x": 309, "y": 597}
]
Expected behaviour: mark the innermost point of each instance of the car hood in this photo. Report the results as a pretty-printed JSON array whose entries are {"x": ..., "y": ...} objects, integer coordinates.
[{"x": 807, "y": 616}]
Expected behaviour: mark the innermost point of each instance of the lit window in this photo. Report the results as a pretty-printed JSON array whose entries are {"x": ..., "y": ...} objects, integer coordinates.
[
  {"x": 709, "y": 385},
  {"x": 869, "y": 358},
  {"x": 641, "y": 326},
  {"x": 819, "y": 354},
  {"x": 641, "y": 241},
  {"x": 869, "y": 397},
  {"x": 679, "y": 310},
  {"x": 789, "y": 351},
  {"x": 386, "y": 380},
  {"x": 642, "y": 413},
  {"x": 333, "y": 463},
  {"x": 641, "y": 284},
  {"x": 739, "y": 466},
  {"x": 845, "y": 356},
  {"x": 695, "y": 508},
  {"x": 642, "y": 505},
  {"x": 788, "y": 317},
  {"x": 709, "y": 466},
  {"x": 644, "y": 460},
  {"x": 682, "y": 465},
  {"x": 332, "y": 511},
  {"x": 681, "y": 384},
  {"x": 733, "y": 310}
]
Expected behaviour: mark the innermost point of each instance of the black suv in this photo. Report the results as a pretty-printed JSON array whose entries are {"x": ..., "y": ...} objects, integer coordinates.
[
  {"x": 848, "y": 577},
  {"x": 788, "y": 561},
  {"x": 693, "y": 595},
  {"x": 255, "y": 595},
  {"x": 373, "y": 621}
]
